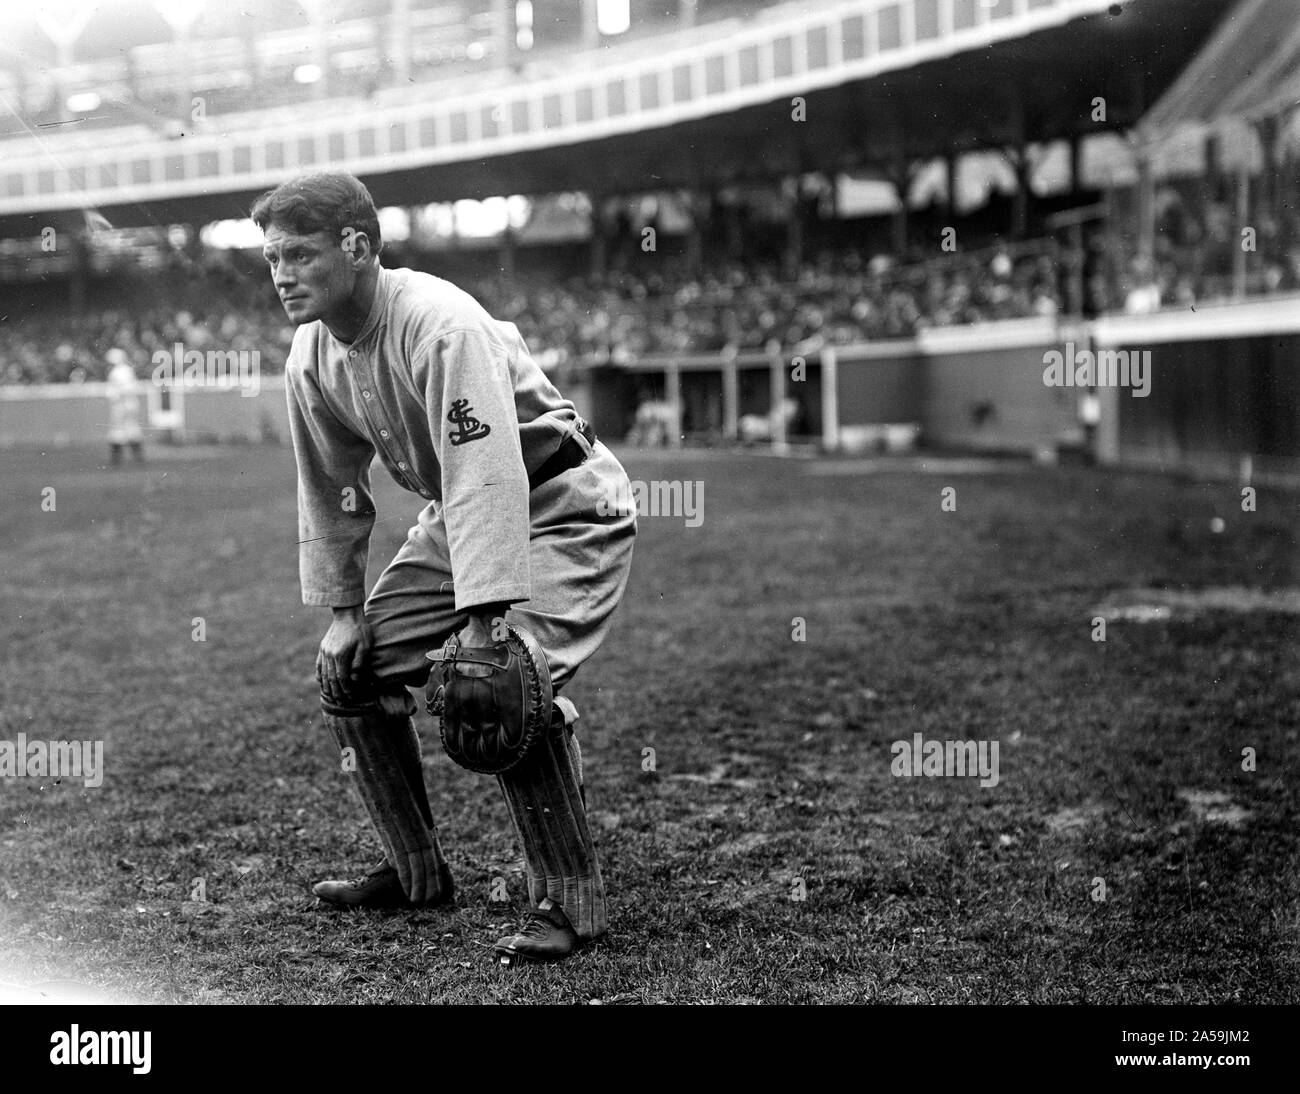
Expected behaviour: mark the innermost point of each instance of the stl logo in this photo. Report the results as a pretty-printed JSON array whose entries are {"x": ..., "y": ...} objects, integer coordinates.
[{"x": 468, "y": 428}]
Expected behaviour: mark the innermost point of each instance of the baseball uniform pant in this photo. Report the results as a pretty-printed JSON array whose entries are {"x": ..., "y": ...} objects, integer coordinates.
[{"x": 580, "y": 554}]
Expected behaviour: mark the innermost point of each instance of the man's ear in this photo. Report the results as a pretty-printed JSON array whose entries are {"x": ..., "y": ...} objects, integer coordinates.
[{"x": 357, "y": 244}]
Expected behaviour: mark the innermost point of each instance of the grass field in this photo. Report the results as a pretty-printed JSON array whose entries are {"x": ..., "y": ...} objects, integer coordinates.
[{"x": 1120, "y": 760}]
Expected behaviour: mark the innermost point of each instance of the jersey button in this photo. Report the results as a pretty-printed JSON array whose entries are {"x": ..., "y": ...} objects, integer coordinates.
[
  {"x": 365, "y": 395},
  {"x": 383, "y": 433},
  {"x": 353, "y": 353},
  {"x": 401, "y": 464}
]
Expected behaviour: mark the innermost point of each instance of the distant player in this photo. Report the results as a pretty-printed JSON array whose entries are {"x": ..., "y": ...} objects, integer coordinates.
[
  {"x": 123, "y": 408},
  {"x": 406, "y": 368}
]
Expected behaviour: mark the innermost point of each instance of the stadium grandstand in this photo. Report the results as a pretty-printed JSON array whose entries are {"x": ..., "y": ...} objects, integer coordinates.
[{"x": 676, "y": 201}]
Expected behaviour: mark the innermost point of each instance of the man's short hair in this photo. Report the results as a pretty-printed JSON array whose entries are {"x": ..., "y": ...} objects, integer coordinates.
[{"x": 322, "y": 201}]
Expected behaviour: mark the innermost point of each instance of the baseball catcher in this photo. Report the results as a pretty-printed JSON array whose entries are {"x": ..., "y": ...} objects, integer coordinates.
[{"x": 504, "y": 587}]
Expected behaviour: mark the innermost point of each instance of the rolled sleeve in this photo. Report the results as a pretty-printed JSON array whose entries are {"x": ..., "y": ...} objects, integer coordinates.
[{"x": 336, "y": 511}]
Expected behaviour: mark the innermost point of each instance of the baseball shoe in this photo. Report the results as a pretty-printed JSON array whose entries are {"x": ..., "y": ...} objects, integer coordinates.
[
  {"x": 545, "y": 935},
  {"x": 380, "y": 888}
]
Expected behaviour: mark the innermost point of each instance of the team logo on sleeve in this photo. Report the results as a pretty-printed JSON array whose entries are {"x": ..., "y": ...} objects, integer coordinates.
[{"x": 468, "y": 428}]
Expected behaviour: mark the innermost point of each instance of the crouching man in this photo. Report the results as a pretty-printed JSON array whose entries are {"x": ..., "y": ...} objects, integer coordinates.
[{"x": 517, "y": 531}]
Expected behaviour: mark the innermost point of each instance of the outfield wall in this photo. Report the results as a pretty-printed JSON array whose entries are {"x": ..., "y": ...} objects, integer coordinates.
[
  {"x": 1225, "y": 389},
  {"x": 876, "y": 384},
  {"x": 976, "y": 387},
  {"x": 77, "y": 414},
  {"x": 61, "y": 415},
  {"x": 982, "y": 388},
  {"x": 1223, "y": 396}
]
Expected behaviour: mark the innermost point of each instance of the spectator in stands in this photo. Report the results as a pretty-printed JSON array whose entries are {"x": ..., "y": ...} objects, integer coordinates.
[{"x": 836, "y": 297}]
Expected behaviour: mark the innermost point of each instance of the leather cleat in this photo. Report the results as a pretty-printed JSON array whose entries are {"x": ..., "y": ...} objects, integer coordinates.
[
  {"x": 545, "y": 935},
  {"x": 380, "y": 888}
]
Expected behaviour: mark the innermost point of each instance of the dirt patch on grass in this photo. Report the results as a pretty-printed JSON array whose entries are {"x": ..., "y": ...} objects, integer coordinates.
[
  {"x": 1075, "y": 819},
  {"x": 741, "y": 845},
  {"x": 1153, "y": 605},
  {"x": 929, "y": 465},
  {"x": 1215, "y": 807}
]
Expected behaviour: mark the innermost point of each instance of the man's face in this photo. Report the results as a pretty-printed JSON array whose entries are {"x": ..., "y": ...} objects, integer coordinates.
[{"x": 313, "y": 274}]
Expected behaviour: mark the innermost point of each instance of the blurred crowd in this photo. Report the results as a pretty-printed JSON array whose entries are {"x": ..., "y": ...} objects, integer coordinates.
[
  {"x": 76, "y": 350},
  {"x": 1200, "y": 250},
  {"x": 838, "y": 297}
]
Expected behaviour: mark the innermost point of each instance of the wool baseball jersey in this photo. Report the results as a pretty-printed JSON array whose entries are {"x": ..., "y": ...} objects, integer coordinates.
[{"x": 458, "y": 412}]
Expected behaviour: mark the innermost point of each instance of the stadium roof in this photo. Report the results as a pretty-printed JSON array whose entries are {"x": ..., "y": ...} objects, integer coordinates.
[
  {"x": 1040, "y": 85},
  {"x": 1023, "y": 69},
  {"x": 1250, "y": 68}
]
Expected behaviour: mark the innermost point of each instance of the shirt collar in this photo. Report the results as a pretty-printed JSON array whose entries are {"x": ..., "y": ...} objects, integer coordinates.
[{"x": 383, "y": 287}]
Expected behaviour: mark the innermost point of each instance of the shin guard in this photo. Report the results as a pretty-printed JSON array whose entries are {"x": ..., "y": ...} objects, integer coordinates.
[
  {"x": 390, "y": 781},
  {"x": 544, "y": 796}
]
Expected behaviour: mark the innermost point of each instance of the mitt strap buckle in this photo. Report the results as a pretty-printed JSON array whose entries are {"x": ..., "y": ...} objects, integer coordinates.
[{"x": 471, "y": 660}]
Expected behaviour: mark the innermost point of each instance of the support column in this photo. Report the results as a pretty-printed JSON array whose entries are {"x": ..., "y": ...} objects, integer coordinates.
[
  {"x": 1266, "y": 195},
  {"x": 1240, "y": 256},
  {"x": 1076, "y": 287},
  {"x": 1146, "y": 203},
  {"x": 900, "y": 174},
  {"x": 599, "y": 243},
  {"x": 182, "y": 85},
  {"x": 731, "y": 227},
  {"x": 830, "y": 400},
  {"x": 320, "y": 45},
  {"x": 673, "y": 396},
  {"x": 1210, "y": 177},
  {"x": 777, "y": 366},
  {"x": 793, "y": 257},
  {"x": 399, "y": 40},
  {"x": 730, "y": 394},
  {"x": 507, "y": 253},
  {"x": 951, "y": 164},
  {"x": 1286, "y": 182},
  {"x": 1106, "y": 442},
  {"x": 503, "y": 31},
  {"x": 590, "y": 26},
  {"x": 252, "y": 58},
  {"x": 80, "y": 247},
  {"x": 898, "y": 224},
  {"x": 698, "y": 204},
  {"x": 415, "y": 218},
  {"x": 1076, "y": 165},
  {"x": 1018, "y": 157}
]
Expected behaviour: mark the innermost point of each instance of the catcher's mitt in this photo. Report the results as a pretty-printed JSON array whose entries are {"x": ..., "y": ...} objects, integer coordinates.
[{"x": 493, "y": 703}]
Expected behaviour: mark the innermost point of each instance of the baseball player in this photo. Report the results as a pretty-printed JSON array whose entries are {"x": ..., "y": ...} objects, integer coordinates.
[
  {"x": 404, "y": 368},
  {"x": 123, "y": 408}
]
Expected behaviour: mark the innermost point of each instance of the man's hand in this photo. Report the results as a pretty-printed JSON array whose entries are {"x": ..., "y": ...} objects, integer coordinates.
[
  {"x": 479, "y": 627},
  {"x": 343, "y": 653}
]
